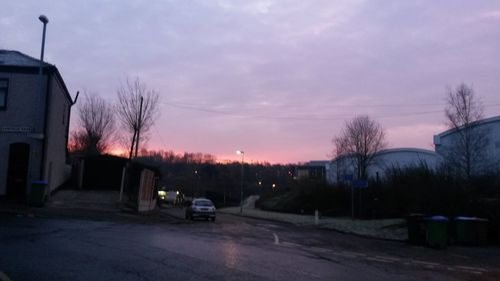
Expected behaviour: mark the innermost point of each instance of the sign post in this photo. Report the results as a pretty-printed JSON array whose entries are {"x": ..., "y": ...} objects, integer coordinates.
[
  {"x": 349, "y": 178},
  {"x": 360, "y": 184}
]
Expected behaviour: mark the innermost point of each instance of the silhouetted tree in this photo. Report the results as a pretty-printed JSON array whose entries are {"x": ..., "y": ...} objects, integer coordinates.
[
  {"x": 96, "y": 126},
  {"x": 359, "y": 141},
  {"x": 137, "y": 111},
  {"x": 466, "y": 154}
]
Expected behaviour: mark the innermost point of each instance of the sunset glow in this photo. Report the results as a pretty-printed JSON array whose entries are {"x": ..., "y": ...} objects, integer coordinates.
[{"x": 276, "y": 79}]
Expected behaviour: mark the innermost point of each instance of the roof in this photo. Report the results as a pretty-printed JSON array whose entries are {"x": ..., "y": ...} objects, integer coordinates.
[
  {"x": 317, "y": 163},
  {"x": 473, "y": 124},
  {"x": 396, "y": 150},
  {"x": 407, "y": 149},
  {"x": 14, "y": 59}
]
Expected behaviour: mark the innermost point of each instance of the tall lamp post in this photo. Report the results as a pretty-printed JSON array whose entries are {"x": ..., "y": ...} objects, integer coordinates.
[
  {"x": 242, "y": 153},
  {"x": 44, "y": 20}
]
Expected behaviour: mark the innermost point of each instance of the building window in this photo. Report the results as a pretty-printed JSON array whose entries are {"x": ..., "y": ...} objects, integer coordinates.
[{"x": 4, "y": 86}]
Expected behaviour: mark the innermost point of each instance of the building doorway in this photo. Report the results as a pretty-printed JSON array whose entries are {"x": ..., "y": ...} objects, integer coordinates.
[{"x": 17, "y": 172}]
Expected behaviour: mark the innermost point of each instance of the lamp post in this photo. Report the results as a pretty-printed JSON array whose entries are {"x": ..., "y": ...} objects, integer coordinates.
[
  {"x": 44, "y": 20},
  {"x": 242, "y": 153},
  {"x": 197, "y": 183}
]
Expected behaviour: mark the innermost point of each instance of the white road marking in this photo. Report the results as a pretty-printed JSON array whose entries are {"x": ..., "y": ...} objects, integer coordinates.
[
  {"x": 354, "y": 254},
  {"x": 321, "y": 250},
  {"x": 378, "y": 259},
  {"x": 388, "y": 258},
  {"x": 470, "y": 268},
  {"x": 343, "y": 254},
  {"x": 290, "y": 244},
  {"x": 265, "y": 225},
  {"x": 425, "y": 263},
  {"x": 462, "y": 269},
  {"x": 276, "y": 239}
]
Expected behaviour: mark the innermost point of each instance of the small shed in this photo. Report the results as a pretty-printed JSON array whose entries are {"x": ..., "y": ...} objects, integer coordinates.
[{"x": 100, "y": 172}]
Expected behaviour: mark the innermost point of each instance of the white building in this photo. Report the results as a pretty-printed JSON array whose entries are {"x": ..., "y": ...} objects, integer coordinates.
[
  {"x": 486, "y": 134},
  {"x": 34, "y": 122},
  {"x": 343, "y": 167}
]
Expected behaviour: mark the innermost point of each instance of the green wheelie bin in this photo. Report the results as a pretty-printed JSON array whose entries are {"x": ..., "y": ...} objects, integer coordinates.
[
  {"x": 437, "y": 232},
  {"x": 38, "y": 193},
  {"x": 416, "y": 229}
]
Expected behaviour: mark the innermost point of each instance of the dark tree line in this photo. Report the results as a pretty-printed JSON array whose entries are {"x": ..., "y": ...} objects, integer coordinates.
[{"x": 198, "y": 174}]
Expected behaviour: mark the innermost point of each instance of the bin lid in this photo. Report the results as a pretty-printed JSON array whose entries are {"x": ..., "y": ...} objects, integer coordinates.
[
  {"x": 465, "y": 218},
  {"x": 40, "y": 182},
  {"x": 469, "y": 219},
  {"x": 438, "y": 218}
]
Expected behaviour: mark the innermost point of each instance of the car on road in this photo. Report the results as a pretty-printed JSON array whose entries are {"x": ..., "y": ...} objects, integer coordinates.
[{"x": 200, "y": 208}]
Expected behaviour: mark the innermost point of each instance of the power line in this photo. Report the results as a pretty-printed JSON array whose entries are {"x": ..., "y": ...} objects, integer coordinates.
[
  {"x": 365, "y": 105},
  {"x": 300, "y": 118},
  {"x": 161, "y": 138}
]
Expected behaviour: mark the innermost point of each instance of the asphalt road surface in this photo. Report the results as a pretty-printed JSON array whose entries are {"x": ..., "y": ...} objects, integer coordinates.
[{"x": 232, "y": 248}]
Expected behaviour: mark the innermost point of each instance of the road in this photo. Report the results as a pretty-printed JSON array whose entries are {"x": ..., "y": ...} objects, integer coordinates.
[{"x": 232, "y": 248}]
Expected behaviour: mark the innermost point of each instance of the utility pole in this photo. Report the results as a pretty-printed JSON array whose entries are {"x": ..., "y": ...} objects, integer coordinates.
[
  {"x": 138, "y": 129},
  {"x": 242, "y": 153}
]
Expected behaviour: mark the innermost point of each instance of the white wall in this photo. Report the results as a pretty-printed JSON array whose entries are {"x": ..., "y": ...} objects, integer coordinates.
[
  {"x": 400, "y": 157},
  {"x": 446, "y": 142}
]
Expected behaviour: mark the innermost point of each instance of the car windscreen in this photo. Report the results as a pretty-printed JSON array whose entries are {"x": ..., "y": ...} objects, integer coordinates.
[{"x": 203, "y": 203}]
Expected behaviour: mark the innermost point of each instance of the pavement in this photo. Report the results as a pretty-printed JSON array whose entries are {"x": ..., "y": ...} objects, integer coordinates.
[
  {"x": 389, "y": 229},
  {"x": 83, "y": 204},
  {"x": 105, "y": 205}
]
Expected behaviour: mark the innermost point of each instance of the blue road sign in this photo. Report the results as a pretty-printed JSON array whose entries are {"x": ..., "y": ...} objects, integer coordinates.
[
  {"x": 348, "y": 177},
  {"x": 360, "y": 184}
]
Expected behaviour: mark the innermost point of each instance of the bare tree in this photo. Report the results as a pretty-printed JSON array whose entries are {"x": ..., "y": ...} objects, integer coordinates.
[
  {"x": 360, "y": 141},
  {"x": 137, "y": 110},
  {"x": 462, "y": 111},
  {"x": 96, "y": 126}
]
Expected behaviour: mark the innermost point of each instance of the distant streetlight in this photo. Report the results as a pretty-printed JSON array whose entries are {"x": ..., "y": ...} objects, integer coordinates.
[
  {"x": 242, "y": 153},
  {"x": 198, "y": 189}
]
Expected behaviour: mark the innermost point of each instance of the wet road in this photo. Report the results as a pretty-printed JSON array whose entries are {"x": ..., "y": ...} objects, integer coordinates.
[{"x": 233, "y": 248}]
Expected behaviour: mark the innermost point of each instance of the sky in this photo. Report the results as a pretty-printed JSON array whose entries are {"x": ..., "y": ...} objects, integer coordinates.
[{"x": 276, "y": 79}]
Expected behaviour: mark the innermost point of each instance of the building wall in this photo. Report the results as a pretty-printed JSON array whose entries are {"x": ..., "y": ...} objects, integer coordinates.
[
  {"x": 402, "y": 158},
  {"x": 446, "y": 142},
  {"x": 57, "y": 133},
  {"x": 24, "y": 100}
]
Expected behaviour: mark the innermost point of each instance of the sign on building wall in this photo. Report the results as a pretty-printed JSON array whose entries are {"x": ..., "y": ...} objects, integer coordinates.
[{"x": 16, "y": 129}]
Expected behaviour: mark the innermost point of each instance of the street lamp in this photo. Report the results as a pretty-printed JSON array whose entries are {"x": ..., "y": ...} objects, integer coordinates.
[
  {"x": 242, "y": 153},
  {"x": 44, "y": 20},
  {"x": 197, "y": 183}
]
